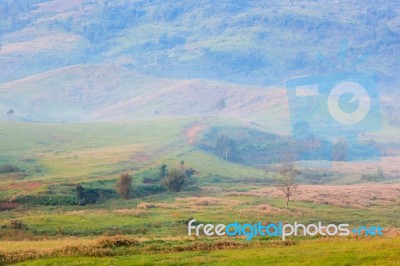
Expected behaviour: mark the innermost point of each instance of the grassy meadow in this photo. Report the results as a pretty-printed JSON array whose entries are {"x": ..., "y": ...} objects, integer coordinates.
[
  {"x": 151, "y": 226},
  {"x": 310, "y": 252}
]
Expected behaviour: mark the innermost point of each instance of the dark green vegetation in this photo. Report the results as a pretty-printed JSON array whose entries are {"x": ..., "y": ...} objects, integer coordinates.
[{"x": 246, "y": 145}]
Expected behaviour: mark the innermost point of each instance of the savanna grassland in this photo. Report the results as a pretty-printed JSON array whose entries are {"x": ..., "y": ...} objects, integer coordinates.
[{"x": 151, "y": 226}]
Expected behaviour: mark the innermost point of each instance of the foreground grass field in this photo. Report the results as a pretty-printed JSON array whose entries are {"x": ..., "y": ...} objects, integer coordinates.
[
  {"x": 158, "y": 224},
  {"x": 308, "y": 252},
  {"x": 54, "y": 159}
]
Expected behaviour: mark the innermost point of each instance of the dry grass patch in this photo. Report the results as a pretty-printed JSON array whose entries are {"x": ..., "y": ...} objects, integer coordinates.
[
  {"x": 209, "y": 201},
  {"x": 255, "y": 193},
  {"x": 116, "y": 241},
  {"x": 154, "y": 205},
  {"x": 356, "y": 196},
  {"x": 390, "y": 165},
  {"x": 45, "y": 244},
  {"x": 86, "y": 212},
  {"x": 132, "y": 212},
  {"x": 31, "y": 250},
  {"x": 391, "y": 232},
  {"x": 190, "y": 202},
  {"x": 268, "y": 210}
]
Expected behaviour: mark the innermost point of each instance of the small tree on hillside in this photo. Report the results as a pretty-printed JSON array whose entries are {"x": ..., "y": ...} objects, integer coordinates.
[
  {"x": 10, "y": 114},
  {"x": 124, "y": 185},
  {"x": 163, "y": 171},
  {"x": 182, "y": 164},
  {"x": 189, "y": 172},
  {"x": 286, "y": 181},
  {"x": 311, "y": 144},
  {"x": 174, "y": 181},
  {"x": 340, "y": 150},
  {"x": 221, "y": 104},
  {"x": 225, "y": 147}
]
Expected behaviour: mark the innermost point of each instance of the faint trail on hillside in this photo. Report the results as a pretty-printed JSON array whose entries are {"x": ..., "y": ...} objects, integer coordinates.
[
  {"x": 192, "y": 132},
  {"x": 145, "y": 158}
]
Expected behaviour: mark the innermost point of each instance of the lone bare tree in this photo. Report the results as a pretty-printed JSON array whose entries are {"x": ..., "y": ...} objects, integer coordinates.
[
  {"x": 226, "y": 146},
  {"x": 286, "y": 181}
]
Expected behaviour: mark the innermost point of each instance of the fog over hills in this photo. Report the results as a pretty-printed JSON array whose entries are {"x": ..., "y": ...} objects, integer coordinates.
[{"x": 77, "y": 60}]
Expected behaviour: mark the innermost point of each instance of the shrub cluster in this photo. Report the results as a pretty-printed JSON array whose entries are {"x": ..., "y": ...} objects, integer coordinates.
[
  {"x": 8, "y": 168},
  {"x": 46, "y": 200}
]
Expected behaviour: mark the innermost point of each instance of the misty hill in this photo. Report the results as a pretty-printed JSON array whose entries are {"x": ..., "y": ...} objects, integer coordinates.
[
  {"x": 92, "y": 60},
  {"x": 106, "y": 92}
]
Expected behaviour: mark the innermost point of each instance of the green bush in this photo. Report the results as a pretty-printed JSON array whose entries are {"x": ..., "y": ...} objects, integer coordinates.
[
  {"x": 93, "y": 195},
  {"x": 16, "y": 224},
  {"x": 175, "y": 180}
]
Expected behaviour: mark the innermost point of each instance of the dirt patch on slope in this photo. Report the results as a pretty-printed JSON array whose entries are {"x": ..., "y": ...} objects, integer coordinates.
[{"x": 193, "y": 131}]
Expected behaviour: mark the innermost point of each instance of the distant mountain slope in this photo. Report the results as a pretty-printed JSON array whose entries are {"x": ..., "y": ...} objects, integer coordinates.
[
  {"x": 70, "y": 93},
  {"x": 75, "y": 60},
  {"x": 197, "y": 97},
  {"x": 250, "y": 42},
  {"x": 110, "y": 92}
]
